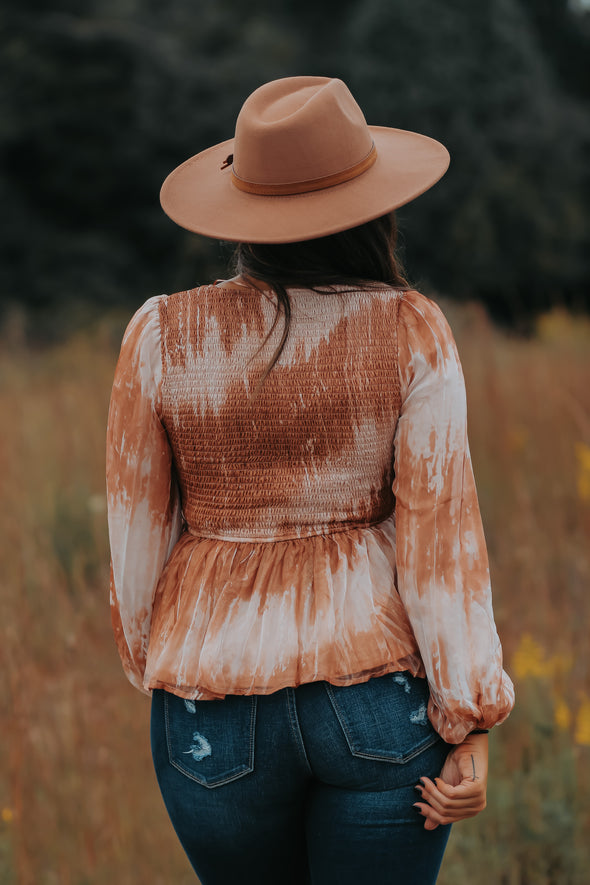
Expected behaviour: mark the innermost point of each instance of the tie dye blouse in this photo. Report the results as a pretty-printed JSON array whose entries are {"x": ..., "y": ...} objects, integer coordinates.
[{"x": 322, "y": 527}]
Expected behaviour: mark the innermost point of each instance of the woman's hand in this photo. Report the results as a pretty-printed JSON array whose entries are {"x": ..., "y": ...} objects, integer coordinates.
[{"x": 460, "y": 791}]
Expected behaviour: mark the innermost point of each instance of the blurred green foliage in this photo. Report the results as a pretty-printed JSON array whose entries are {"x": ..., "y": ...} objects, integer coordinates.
[{"x": 99, "y": 99}]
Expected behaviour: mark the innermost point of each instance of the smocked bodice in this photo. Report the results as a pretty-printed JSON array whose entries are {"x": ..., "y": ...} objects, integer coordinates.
[{"x": 310, "y": 452}]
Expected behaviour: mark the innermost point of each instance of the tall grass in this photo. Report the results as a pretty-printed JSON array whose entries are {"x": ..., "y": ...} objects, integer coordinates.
[
  {"x": 529, "y": 406},
  {"x": 78, "y": 800}
]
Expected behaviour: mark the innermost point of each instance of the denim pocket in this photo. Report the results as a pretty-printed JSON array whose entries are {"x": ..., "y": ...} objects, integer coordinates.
[
  {"x": 211, "y": 742},
  {"x": 385, "y": 718}
]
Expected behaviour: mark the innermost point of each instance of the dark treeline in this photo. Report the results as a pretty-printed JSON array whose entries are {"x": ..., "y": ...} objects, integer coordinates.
[{"x": 101, "y": 98}]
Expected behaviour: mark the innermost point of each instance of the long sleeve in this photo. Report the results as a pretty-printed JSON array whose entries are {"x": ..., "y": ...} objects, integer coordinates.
[
  {"x": 442, "y": 564},
  {"x": 143, "y": 502}
]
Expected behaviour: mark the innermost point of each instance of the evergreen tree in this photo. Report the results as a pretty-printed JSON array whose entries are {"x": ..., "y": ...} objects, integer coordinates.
[
  {"x": 509, "y": 223},
  {"x": 99, "y": 99}
]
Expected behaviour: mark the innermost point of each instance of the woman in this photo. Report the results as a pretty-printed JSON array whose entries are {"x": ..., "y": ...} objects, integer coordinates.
[{"x": 299, "y": 573}]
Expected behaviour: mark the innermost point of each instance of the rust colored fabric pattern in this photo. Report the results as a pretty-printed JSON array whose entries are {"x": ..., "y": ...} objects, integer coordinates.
[{"x": 325, "y": 529}]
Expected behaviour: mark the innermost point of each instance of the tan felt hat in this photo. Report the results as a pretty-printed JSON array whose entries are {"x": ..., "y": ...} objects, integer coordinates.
[{"x": 303, "y": 164}]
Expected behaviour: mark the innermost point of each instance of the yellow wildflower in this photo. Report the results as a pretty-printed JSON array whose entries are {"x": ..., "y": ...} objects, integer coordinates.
[
  {"x": 562, "y": 715},
  {"x": 530, "y": 660},
  {"x": 7, "y": 815},
  {"x": 562, "y": 328},
  {"x": 582, "y": 733},
  {"x": 583, "y": 477}
]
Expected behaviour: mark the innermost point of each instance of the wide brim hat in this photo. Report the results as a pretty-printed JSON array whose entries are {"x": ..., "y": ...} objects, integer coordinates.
[{"x": 303, "y": 164}]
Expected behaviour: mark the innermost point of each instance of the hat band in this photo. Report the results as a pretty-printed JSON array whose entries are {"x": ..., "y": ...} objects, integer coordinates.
[{"x": 312, "y": 184}]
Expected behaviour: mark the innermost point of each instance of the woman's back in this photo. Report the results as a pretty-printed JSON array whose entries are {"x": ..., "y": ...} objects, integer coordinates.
[
  {"x": 313, "y": 449},
  {"x": 322, "y": 526}
]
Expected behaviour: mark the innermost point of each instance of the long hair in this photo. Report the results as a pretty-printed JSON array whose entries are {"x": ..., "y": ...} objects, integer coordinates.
[{"x": 358, "y": 257}]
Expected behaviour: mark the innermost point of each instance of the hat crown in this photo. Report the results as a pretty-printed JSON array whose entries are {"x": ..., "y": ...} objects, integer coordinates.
[
  {"x": 299, "y": 129},
  {"x": 303, "y": 164}
]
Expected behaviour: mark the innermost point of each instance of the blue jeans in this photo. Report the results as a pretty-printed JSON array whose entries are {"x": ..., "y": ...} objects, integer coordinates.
[{"x": 308, "y": 785}]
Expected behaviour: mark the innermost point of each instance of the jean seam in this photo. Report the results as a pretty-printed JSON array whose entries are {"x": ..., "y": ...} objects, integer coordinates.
[
  {"x": 296, "y": 728},
  {"x": 253, "y": 710},
  {"x": 399, "y": 760}
]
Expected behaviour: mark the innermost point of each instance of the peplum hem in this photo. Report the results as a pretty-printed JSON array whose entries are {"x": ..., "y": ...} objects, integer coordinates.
[
  {"x": 252, "y": 617},
  {"x": 411, "y": 664}
]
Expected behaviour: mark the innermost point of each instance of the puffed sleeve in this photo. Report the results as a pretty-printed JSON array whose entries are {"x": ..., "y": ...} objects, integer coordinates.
[
  {"x": 143, "y": 502},
  {"x": 442, "y": 563}
]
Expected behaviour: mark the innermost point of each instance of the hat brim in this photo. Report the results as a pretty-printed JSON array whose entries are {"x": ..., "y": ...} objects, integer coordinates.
[{"x": 200, "y": 196}]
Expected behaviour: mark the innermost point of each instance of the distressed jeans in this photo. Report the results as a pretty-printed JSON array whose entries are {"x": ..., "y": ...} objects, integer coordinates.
[{"x": 308, "y": 785}]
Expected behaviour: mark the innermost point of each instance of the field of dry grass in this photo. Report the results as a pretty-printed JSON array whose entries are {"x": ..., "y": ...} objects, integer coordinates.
[{"x": 79, "y": 803}]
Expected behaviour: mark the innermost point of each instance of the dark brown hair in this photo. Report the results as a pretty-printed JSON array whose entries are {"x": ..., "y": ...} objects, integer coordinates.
[{"x": 360, "y": 256}]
